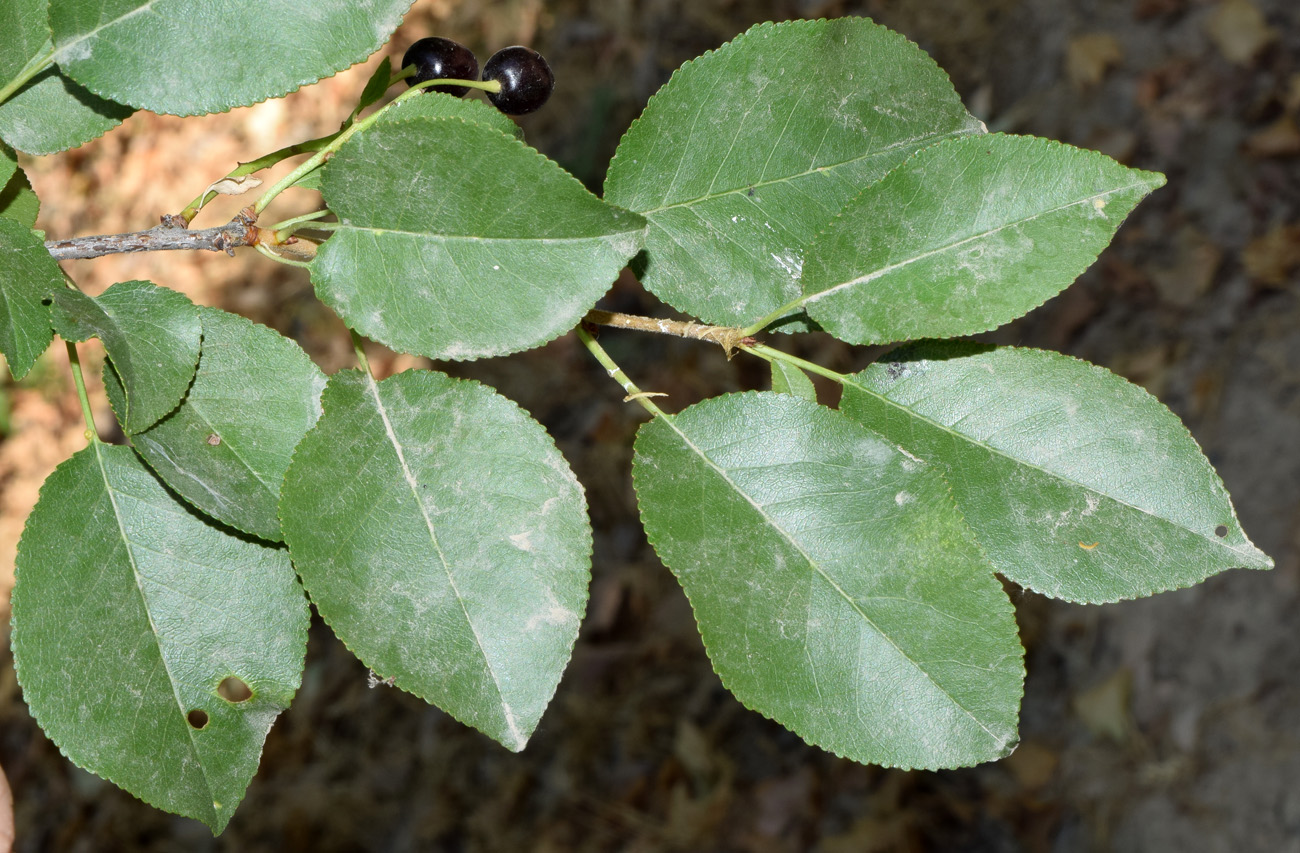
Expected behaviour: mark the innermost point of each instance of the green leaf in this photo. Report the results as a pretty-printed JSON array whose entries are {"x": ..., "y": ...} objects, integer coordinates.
[
  {"x": 52, "y": 114},
  {"x": 8, "y": 163},
  {"x": 458, "y": 242},
  {"x": 835, "y": 586},
  {"x": 128, "y": 614},
  {"x": 311, "y": 180},
  {"x": 26, "y": 32},
  {"x": 966, "y": 236},
  {"x": 27, "y": 275},
  {"x": 171, "y": 57},
  {"x": 442, "y": 105},
  {"x": 788, "y": 379},
  {"x": 1077, "y": 484},
  {"x": 444, "y": 539},
  {"x": 17, "y": 200},
  {"x": 749, "y": 150},
  {"x": 49, "y": 112},
  {"x": 227, "y": 446},
  {"x": 376, "y": 86},
  {"x": 151, "y": 334}
]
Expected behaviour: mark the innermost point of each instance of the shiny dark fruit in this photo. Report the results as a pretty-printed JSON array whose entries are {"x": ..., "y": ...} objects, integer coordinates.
[
  {"x": 526, "y": 80},
  {"x": 438, "y": 58}
]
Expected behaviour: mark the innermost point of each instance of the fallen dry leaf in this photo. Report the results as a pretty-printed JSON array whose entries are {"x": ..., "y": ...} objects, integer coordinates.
[
  {"x": 1089, "y": 56},
  {"x": 1273, "y": 257},
  {"x": 1189, "y": 273},
  {"x": 1104, "y": 708},
  {"x": 1238, "y": 30},
  {"x": 1279, "y": 139}
]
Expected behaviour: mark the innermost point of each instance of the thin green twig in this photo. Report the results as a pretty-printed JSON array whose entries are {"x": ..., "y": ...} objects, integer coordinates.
[{"x": 264, "y": 162}]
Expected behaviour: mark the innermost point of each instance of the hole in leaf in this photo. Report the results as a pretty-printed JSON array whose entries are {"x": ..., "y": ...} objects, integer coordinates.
[
  {"x": 198, "y": 719},
  {"x": 1221, "y": 531},
  {"x": 233, "y": 690}
]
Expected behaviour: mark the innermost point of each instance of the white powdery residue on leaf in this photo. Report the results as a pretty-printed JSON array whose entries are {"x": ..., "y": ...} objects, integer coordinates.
[
  {"x": 523, "y": 541},
  {"x": 791, "y": 263},
  {"x": 555, "y": 615},
  {"x": 1093, "y": 503}
]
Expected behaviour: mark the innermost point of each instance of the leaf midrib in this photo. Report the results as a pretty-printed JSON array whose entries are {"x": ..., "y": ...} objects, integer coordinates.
[
  {"x": 917, "y": 143},
  {"x": 912, "y": 414},
  {"x": 153, "y": 630},
  {"x": 508, "y": 713},
  {"x": 477, "y": 238}
]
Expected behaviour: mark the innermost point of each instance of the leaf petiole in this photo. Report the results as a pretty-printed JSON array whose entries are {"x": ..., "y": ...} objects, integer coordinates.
[
  {"x": 616, "y": 373},
  {"x": 770, "y": 354},
  {"x": 774, "y": 316},
  {"x": 281, "y": 258},
  {"x": 360, "y": 350},
  {"x": 284, "y": 230},
  {"x": 74, "y": 362}
]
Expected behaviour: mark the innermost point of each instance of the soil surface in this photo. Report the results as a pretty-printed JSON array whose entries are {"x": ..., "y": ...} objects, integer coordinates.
[{"x": 1171, "y": 723}]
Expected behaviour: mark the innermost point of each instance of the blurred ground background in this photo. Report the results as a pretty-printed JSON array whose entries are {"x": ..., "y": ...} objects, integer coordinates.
[{"x": 1165, "y": 724}]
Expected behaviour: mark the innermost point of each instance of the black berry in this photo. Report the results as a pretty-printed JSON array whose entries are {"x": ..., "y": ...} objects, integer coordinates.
[
  {"x": 526, "y": 80},
  {"x": 438, "y": 58}
]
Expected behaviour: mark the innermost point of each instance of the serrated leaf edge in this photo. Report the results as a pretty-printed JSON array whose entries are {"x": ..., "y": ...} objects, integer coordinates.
[
  {"x": 115, "y": 123},
  {"x": 193, "y": 369}
]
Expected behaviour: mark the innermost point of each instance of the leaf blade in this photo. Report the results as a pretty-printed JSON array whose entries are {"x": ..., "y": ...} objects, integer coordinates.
[
  {"x": 788, "y": 379},
  {"x": 492, "y": 248},
  {"x": 159, "y": 55},
  {"x": 721, "y": 166},
  {"x": 1077, "y": 484},
  {"x": 50, "y": 112},
  {"x": 444, "y": 540},
  {"x": 965, "y": 236},
  {"x": 128, "y": 612},
  {"x": 17, "y": 199},
  {"x": 151, "y": 333},
  {"x": 226, "y": 448},
  {"x": 835, "y": 587},
  {"x": 28, "y": 275}
]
